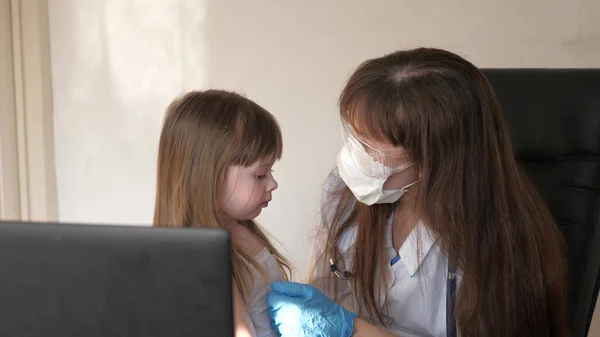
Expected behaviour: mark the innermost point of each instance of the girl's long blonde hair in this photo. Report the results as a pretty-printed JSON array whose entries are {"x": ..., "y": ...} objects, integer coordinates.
[{"x": 204, "y": 133}]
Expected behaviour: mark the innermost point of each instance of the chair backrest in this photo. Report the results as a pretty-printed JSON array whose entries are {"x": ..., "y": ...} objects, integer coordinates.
[{"x": 554, "y": 120}]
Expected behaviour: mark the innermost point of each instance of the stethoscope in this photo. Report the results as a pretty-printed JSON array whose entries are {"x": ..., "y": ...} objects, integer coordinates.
[{"x": 450, "y": 292}]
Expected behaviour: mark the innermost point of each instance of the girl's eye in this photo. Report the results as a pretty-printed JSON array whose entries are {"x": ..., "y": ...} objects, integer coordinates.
[{"x": 263, "y": 176}]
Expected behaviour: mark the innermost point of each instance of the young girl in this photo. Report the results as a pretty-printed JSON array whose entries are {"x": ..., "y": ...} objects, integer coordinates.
[{"x": 215, "y": 156}]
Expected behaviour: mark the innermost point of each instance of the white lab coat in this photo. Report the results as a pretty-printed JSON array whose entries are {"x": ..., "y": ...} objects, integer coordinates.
[{"x": 414, "y": 303}]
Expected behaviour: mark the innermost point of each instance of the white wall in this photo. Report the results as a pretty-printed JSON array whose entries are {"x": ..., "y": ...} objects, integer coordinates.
[{"x": 116, "y": 65}]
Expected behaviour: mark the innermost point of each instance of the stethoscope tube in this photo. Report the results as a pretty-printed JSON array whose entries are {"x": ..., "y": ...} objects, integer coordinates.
[{"x": 450, "y": 300}]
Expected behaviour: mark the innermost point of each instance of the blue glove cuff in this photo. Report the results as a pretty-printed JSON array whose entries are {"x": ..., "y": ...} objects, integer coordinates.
[{"x": 349, "y": 318}]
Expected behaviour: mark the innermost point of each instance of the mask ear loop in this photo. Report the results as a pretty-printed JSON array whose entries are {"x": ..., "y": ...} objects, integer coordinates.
[
  {"x": 404, "y": 167},
  {"x": 401, "y": 168},
  {"x": 405, "y": 188}
]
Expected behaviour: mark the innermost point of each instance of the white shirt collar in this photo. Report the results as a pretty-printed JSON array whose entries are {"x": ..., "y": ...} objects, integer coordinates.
[{"x": 416, "y": 246}]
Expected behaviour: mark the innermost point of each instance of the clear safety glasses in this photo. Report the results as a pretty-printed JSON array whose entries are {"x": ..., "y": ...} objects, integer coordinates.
[{"x": 374, "y": 162}]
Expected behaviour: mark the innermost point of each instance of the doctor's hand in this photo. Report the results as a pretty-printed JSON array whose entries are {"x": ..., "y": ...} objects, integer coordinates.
[{"x": 300, "y": 310}]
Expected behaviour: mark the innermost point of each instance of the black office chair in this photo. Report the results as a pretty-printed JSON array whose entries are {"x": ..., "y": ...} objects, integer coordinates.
[{"x": 554, "y": 120}]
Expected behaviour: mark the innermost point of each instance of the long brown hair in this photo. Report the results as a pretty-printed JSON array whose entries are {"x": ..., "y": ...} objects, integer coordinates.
[
  {"x": 204, "y": 133},
  {"x": 486, "y": 213}
]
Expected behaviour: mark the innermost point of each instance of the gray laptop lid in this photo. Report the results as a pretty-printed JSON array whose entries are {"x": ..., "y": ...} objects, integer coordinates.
[{"x": 91, "y": 281}]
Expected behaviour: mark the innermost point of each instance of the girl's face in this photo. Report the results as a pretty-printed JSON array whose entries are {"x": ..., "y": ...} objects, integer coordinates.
[{"x": 246, "y": 190}]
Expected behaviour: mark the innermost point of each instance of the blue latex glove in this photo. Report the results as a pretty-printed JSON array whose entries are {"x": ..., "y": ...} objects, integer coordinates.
[{"x": 300, "y": 310}]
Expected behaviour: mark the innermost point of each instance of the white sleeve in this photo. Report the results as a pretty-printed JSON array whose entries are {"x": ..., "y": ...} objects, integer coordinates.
[{"x": 320, "y": 274}]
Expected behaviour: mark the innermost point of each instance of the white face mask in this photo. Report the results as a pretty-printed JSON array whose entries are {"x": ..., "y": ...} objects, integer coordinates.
[{"x": 365, "y": 176}]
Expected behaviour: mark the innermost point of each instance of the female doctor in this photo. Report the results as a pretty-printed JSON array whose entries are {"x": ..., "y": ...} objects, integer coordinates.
[{"x": 428, "y": 225}]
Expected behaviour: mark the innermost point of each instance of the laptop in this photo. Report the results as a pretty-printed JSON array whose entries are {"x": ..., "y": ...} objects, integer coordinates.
[{"x": 66, "y": 280}]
